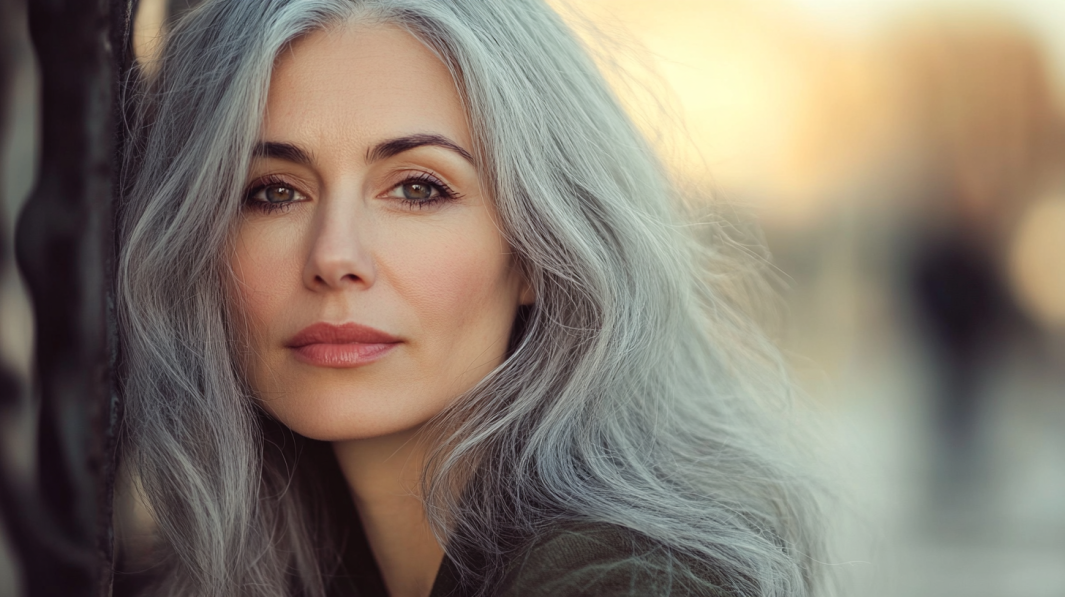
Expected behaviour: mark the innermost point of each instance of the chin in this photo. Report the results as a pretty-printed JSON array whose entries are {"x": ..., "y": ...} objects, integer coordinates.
[{"x": 346, "y": 417}]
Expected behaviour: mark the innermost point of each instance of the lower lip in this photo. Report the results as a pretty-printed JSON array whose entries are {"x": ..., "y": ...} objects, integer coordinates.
[{"x": 342, "y": 355}]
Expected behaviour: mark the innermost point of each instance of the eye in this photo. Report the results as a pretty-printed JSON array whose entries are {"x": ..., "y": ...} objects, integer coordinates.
[
  {"x": 422, "y": 190},
  {"x": 278, "y": 194},
  {"x": 271, "y": 195},
  {"x": 417, "y": 191}
]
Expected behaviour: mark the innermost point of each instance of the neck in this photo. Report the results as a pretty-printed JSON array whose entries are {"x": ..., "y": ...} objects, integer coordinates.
[{"x": 384, "y": 474}]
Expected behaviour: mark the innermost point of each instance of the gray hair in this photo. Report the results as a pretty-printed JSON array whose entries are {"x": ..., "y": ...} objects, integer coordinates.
[{"x": 634, "y": 391}]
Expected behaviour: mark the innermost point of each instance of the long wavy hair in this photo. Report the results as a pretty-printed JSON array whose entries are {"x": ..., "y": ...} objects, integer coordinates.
[{"x": 635, "y": 389}]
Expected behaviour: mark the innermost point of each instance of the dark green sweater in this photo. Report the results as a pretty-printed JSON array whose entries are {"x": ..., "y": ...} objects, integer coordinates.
[{"x": 592, "y": 561}]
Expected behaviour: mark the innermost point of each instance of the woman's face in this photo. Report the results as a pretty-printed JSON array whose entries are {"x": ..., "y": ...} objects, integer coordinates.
[{"x": 372, "y": 277}]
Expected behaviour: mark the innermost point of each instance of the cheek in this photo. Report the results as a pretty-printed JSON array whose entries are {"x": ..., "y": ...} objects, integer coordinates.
[
  {"x": 458, "y": 282},
  {"x": 264, "y": 266}
]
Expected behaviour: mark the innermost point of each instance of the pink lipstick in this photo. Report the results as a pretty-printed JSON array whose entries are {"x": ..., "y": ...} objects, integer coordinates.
[{"x": 341, "y": 346}]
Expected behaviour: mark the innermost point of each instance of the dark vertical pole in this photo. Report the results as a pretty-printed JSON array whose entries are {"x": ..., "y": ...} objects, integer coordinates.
[
  {"x": 60, "y": 522},
  {"x": 12, "y": 392}
]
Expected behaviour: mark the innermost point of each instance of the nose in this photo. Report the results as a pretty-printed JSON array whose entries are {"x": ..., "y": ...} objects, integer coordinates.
[{"x": 339, "y": 256}]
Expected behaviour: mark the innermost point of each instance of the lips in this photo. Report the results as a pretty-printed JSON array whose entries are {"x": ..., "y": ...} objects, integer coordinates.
[{"x": 341, "y": 346}]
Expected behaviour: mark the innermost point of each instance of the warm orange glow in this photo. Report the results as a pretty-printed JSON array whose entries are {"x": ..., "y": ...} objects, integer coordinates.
[
  {"x": 770, "y": 108},
  {"x": 1037, "y": 261},
  {"x": 148, "y": 31}
]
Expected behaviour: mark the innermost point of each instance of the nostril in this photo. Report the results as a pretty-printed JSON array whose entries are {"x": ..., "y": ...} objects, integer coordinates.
[
  {"x": 326, "y": 269},
  {"x": 346, "y": 278}
]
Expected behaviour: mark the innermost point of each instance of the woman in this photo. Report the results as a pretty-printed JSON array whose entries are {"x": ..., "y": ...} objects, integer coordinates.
[{"x": 406, "y": 309}]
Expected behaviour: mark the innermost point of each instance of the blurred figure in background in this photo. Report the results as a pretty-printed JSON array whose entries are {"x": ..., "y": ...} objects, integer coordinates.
[{"x": 986, "y": 136}]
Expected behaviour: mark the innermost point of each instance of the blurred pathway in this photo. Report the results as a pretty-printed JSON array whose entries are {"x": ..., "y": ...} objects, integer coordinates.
[{"x": 1003, "y": 536}]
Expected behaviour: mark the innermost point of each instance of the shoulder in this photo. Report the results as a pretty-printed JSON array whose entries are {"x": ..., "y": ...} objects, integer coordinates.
[{"x": 593, "y": 560}]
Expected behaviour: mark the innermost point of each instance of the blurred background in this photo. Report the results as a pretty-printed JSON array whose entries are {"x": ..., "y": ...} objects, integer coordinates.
[{"x": 905, "y": 160}]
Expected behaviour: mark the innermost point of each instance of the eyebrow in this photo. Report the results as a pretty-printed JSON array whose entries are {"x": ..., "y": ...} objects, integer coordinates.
[
  {"x": 282, "y": 151},
  {"x": 381, "y": 151},
  {"x": 391, "y": 147}
]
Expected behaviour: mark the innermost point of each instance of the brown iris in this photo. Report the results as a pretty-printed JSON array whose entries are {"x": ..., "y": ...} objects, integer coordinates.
[
  {"x": 417, "y": 191},
  {"x": 278, "y": 194}
]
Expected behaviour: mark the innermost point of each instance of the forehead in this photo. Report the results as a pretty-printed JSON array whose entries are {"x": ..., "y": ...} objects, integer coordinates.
[{"x": 354, "y": 84}]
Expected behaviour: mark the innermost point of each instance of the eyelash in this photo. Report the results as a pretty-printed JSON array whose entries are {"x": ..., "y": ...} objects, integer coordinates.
[
  {"x": 266, "y": 206},
  {"x": 444, "y": 193}
]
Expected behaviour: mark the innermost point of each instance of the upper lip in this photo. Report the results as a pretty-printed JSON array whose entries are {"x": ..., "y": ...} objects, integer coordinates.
[{"x": 344, "y": 333}]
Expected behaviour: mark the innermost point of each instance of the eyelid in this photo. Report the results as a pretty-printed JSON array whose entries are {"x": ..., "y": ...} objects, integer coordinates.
[
  {"x": 269, "y": 180},
  {"x": 419, "y": 174},
  {"x": 251, "y": 199},
  {"x": 393, "y": 180}
]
